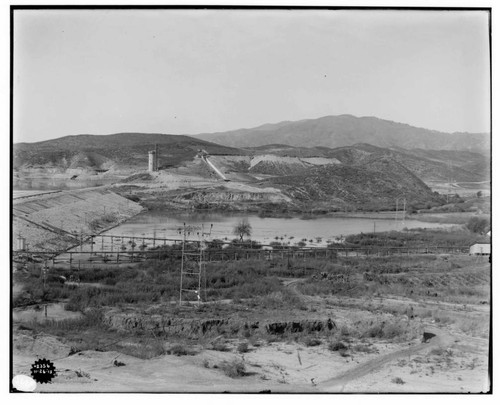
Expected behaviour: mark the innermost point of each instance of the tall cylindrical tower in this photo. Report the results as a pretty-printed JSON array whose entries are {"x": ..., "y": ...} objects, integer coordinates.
[{"x": 152, "y": 164}]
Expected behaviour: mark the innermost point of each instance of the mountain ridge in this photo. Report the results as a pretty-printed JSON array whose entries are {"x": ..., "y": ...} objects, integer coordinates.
[{"x": 345, "y": 130}]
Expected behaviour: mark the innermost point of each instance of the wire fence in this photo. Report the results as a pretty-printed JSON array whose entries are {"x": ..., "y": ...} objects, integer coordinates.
[{"x": 91, "y": 259}]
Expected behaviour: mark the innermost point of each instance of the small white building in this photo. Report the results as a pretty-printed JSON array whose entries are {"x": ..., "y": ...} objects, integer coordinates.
[{"x": 480, "y": 249}]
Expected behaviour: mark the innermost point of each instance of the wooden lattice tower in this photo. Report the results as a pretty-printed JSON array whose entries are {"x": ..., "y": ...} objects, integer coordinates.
[{"x": 192, "y": 264}]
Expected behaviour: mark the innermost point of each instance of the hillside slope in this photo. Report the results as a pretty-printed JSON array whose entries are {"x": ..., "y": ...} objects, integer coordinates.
[
  {"x": 345, "y": 130},
  {"x": 110, "y": 152},
  {"x": 375, "y": 184},
  {"x": 428, "y": 165}
]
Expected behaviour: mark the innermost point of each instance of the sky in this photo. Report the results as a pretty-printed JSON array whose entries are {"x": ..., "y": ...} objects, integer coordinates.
[{"x": 198, "y": 71}]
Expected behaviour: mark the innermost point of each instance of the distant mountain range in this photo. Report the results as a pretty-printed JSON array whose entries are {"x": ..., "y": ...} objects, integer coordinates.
[{"x": 346, "y": 130}]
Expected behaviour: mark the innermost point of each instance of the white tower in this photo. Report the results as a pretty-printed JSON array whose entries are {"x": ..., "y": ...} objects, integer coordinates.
[{"x": 153, "y": 163}]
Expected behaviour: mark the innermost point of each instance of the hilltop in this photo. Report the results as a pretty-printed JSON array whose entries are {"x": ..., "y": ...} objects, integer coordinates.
[
  {"x": 346, "y": 130},
  {"x": 123, "y": 151}
]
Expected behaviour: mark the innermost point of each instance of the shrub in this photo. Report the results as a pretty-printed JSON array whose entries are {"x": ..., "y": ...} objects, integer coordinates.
[
  {"x": 363, "y": 349},
  {"x": 310, "y": 341},
  {"x": 443, "y": 319},
  {"x": 180, "y": 350},
  {"x": 392, "y": 330},
  {"x": 375, "y": 331},
  {"x": 437, "y": 351},
  {"x": 144, "y": 350},
  {"x": 336, "y": 345},
  {"x": 71, "y": 306},
  {"x": 247, "y": 333},
  {"x": 344, "y": 330},
  {"x": 478, "y": 225},
  {"x": 220, "y": 347},
  {"x": 177, "y": 350},
  {"x": 233, "y": 369},
  {"x": 397, "y": 380},
  {"x": 243, "y": 347}
]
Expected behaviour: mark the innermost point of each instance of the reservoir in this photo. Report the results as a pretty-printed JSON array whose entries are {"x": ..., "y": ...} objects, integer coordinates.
[{"x": 317, "y": 230}]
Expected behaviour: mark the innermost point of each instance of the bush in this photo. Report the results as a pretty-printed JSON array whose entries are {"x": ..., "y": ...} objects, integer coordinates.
[
  {"x": 478, "y": 225},
  {"x": 180, "y": 350},
  {"x": 309, "y": 341},
  {"x": 397, "y": 380},
  {"x": 392, "y": 330},
  {"x": 243, "y": 347},
  {"x": 363, "y": 349},
  {"x": 233, "y": 369},
  {"x": 375, "y": 331},
  {"x": 336, "y": 345},
  {"x": 220, "y": 347},
  {"x": 145, "y": 350}
]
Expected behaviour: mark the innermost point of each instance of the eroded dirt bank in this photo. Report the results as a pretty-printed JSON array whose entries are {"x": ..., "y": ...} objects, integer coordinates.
[{"x": 54, "y": 221}]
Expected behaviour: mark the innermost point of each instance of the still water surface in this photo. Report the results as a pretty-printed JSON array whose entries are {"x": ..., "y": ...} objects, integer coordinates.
[{"x": 265, "y": 230}]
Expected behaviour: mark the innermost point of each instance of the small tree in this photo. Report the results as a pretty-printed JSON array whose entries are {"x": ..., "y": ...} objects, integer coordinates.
[
  {"x": 243, "y": 228},
  {"x": 477, "y": 225}
]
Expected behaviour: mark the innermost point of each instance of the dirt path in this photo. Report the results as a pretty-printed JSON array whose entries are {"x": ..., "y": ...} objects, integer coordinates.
[
  {"x": 292, "y": 284},
  {"x": 441, "y": 339}
]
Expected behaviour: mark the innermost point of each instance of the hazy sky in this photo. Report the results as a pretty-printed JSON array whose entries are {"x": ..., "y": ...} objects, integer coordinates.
[{"x": 193, "y": 71}]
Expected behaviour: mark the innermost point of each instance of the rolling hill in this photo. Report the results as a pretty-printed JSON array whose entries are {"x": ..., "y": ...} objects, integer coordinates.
[
  {"x": 428, "y": 165},
  {"x": 346, "y": 130},
  {"x": 374, "y": 185},
  {"x": 360, "y": 176},
  {"x": 110, "y": 152}
]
